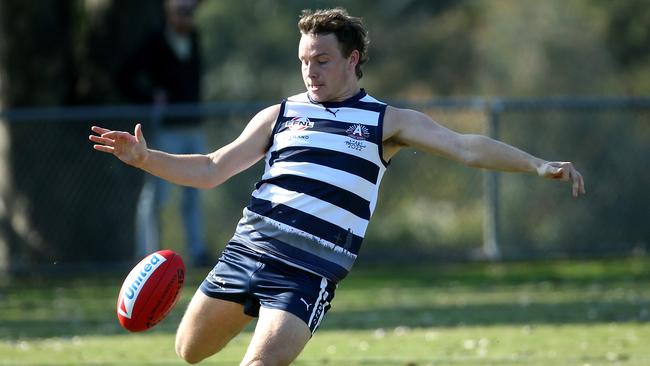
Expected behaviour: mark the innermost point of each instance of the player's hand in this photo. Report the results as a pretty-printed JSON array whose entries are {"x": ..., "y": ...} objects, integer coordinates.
[
  {"x": 565, "y": 172},
  {"x": 131, "y": 149}
]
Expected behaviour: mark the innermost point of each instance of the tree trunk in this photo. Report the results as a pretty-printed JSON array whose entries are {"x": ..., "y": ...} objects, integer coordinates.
[{"x": 61, "y": 204}]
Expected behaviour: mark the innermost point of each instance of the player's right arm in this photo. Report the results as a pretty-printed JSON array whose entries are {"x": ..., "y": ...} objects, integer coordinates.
[{"x": 194, "y": 170}]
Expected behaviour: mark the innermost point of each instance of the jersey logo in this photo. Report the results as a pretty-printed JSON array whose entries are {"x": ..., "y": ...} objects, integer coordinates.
[
  {"x": 334, "y": 112},
  {"x": 299, "y": 124},
  {"x": 308, "y": 305},
  {"x": 358, "y": 132}
]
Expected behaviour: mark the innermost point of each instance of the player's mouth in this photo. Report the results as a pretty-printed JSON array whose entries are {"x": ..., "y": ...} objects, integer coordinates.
[{"x": 316, "y": 87}]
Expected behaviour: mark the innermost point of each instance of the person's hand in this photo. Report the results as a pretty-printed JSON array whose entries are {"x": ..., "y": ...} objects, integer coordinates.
[
  {"x": 131, "y": 149},
  {"x": 565, "y": 172}
]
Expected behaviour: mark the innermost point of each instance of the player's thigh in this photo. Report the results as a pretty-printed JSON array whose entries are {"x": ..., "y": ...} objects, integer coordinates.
[
  {"x": 278, "y": 339},
  {"x": 208, "y": 325}
]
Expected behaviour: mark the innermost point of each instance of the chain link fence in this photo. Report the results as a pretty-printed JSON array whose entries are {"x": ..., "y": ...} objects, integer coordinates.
[{"x": 70, "y": 206}]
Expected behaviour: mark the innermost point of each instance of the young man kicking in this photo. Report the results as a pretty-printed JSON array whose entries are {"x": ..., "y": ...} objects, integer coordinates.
[{"x": 326, "y": 151}]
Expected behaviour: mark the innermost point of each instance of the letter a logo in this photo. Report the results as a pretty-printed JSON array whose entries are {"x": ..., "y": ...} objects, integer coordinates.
[{"x": 358, "y": 132}]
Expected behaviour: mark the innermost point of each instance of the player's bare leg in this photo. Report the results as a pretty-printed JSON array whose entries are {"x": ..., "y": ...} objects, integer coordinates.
[
  {"x": 207, "y": 326},
  {"x": 278, "y": 339}
]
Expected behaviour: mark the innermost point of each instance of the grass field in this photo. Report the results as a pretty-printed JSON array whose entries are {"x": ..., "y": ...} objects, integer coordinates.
[{"x": 542, "y": 313}]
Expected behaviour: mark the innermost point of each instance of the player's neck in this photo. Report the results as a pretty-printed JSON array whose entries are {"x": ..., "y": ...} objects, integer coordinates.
[{"x": 346, "y": 93}]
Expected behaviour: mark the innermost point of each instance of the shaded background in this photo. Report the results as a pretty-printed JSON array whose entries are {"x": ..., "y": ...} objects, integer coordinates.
[{"x": 64, "y": 206}]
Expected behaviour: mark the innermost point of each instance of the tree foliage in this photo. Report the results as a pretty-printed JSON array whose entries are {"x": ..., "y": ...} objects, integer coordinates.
[
  {"x": 57, "y": 54},
  {"x": 424, "y": 49}
]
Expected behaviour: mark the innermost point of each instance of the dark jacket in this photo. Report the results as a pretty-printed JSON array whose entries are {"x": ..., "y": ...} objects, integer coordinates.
[{"x": 154, "y": 65}]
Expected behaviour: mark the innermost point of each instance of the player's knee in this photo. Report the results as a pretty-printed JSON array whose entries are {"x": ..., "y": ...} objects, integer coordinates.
[
  {"x": 188, "y": 355},
  {"x": 193, "y": 352}
]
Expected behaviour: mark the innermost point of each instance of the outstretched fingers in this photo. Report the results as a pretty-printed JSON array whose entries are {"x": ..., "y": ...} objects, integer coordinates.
[
  {"x": 101, "y": 143},
  {"x": 106, "y": 140},
  {"x": 104, "y": 148},
  {"x": 117, "y": 135},
  {"x": 101, "y": 140},
  {"x": 578, "y": 183},
  {"x": 566, "y": 172},
  {"x": 99, "y": 130},
  {"x": 131, "y": 149},
  {"x": 114, "y": 135}
]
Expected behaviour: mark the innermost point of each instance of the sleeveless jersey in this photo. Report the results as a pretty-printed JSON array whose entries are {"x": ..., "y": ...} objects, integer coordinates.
[{"x": 312, "y": 206}]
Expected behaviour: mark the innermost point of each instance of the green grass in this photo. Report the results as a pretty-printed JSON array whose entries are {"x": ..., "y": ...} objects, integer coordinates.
[{"x": 543, "y": 313}]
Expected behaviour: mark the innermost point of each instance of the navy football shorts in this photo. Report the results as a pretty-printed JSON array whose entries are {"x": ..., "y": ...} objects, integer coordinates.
[{"x": 255, "y": 279}]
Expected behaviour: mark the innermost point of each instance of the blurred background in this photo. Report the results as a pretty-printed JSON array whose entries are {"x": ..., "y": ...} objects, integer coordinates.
[{"x": 564, "y": 80}]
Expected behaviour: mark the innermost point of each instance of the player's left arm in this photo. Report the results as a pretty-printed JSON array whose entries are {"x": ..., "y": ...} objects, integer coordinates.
[{"x": 404, "y": 127}]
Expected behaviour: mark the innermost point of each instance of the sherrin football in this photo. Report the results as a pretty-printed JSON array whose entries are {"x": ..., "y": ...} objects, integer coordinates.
[{"x": 151, "y": 290}]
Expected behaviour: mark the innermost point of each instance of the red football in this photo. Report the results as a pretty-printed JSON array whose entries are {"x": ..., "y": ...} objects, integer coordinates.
[{"x": 151, "y": 290}]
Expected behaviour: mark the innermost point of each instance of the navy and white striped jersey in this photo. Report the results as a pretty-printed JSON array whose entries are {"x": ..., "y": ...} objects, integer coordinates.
[{"x": 312, "y": 206}]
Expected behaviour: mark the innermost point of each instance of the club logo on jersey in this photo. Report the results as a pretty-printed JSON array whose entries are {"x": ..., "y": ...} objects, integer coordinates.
[
  {"x": 298, "y": 124},
  {"x": 358, "y": 132}
]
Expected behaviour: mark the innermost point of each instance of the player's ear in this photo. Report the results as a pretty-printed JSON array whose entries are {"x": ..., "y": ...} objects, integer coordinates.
[{"x": 353, "y": 59}]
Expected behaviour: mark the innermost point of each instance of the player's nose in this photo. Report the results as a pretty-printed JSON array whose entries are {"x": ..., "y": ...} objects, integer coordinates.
[{"x": 311, "y": 71}]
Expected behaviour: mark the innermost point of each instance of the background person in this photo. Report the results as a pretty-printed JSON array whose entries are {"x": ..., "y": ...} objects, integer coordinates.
[
  {"x": 165, "y": 68},
  {"x": 326, "y": 151}
]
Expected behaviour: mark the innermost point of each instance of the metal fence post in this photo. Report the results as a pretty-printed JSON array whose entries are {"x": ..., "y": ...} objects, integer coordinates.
[{"x": 491, "y": 248}]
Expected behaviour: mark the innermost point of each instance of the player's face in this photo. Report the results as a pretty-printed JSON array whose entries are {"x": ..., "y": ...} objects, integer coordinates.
[{"x": 328, "y": 76}]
